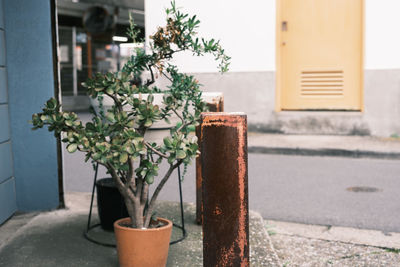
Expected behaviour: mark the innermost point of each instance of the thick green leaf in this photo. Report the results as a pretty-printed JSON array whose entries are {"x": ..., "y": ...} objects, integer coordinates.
[
  {"x": 51, "y": 103},
  {"x": 87, "y": 157},
  {"x": 167, "y": 142},
  {"x": 85, "y": 142},
  {"x": 44, "y": 117},
  {"x": 96, "y": 156},
  {"x": 150, "y": 98},
  {"x": 171, "y": 159},
  {"x": 123, "y": 158},
  {"x": 180, "y": 154},
  {"x": 72, "y": 148},
  {"x": 148, "y": 123},
  {"x": 109, "y": 91},
  {"x": 124, "y": 167},
  {"x": 101, "y": 147},
  {"x": 129, "y": 149},
  {"x": 150, "y": 178},
  {"x": 110, "y": 116},
  {"x": 90, "y": 126}
]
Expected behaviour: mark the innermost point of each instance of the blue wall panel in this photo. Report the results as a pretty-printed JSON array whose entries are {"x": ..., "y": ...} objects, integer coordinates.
[
  {"x": 6, "y": 167},
  {"x": 3, "y": 86},
  {"x": 1, "y": 15},
  {"x": 4, "y": 123},
  {"x": 2, "y": 48},
  {"x": 30, "y": 84},
  {"x": 8, "y": 204},
  {"x": 7, "y": 199}
]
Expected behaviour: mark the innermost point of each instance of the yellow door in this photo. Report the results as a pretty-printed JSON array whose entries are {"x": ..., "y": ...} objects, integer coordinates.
[{"x": 320, "y": 54}]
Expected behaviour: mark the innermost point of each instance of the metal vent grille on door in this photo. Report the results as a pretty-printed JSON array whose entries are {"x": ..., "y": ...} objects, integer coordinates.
[{"x": 321, "y": 83}]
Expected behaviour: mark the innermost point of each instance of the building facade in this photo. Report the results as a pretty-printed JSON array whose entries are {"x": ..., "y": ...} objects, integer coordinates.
[
  {"x": 28, "y": 160},
  {"x": 301, "y": 67}
]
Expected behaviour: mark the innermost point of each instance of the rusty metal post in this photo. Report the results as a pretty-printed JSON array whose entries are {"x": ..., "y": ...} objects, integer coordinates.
[
  {"x": 224, "y": 189},
  {"x": 215, "y": 103}
]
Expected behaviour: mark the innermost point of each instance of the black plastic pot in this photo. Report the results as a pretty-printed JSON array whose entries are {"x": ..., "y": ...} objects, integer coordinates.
[{"x": 110, "y": 203}]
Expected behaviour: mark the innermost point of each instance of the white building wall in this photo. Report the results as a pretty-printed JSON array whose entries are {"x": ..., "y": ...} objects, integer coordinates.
[
  {"x": 382, "y": 34},
  {"x": 246, "y": 30}
]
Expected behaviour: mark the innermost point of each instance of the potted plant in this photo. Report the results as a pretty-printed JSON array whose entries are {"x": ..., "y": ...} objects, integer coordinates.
[{"x": 116, "y": 139}]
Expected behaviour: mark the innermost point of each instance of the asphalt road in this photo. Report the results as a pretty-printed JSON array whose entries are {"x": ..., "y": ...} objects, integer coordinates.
[
  {"x": 313, "y": 190},
  {"x": 300, "y": 189}
]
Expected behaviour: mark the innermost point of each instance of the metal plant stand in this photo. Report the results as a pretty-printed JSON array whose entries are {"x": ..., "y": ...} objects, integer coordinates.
[{"x": 90, "y": 227}]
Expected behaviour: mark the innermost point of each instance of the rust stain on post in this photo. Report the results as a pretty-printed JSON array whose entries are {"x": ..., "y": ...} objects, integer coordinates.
[
  {"x": 216, "y": 105},
  {"x": 224, "y": 189},
  {"x": 198, "y": 181}
]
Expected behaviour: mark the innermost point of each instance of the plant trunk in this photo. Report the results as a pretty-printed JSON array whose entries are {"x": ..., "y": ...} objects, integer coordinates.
[
  {"x": 156, "y": 192},
  {"x": 138, "y": 213},
  {"x": 131, "y": 211},
  {"x": 136, "y": 202},
  {"x": 132, "y": 201}
]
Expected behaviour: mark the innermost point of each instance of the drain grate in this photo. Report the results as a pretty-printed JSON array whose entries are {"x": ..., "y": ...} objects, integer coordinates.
[{"x": 363, "y": 189}]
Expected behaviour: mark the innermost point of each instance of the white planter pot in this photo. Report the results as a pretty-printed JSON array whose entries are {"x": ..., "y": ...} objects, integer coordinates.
[{"x": 159, "y": 129}]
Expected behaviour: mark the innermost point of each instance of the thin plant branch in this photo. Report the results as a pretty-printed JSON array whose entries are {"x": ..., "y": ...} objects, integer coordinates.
[{"x": 157, "y": 191}]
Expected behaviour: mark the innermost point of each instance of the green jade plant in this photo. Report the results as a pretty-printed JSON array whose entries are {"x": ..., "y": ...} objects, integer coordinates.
[{"x": 116, "y": 139}]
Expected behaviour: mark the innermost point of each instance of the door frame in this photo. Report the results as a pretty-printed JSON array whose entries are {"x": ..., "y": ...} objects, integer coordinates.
[
  {"x": 57, "y": 95},
  {"x": 278, "y": 57}
]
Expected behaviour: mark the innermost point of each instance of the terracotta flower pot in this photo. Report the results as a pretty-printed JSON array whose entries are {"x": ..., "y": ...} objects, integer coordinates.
[{"x": 142, "y": 247}]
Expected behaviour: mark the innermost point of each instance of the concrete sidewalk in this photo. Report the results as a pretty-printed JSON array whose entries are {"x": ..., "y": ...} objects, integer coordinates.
[
  {"x": 316, "y": 245},
  {"x": 324, "y": 145},
  {"x": 55, "y": 239}
]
